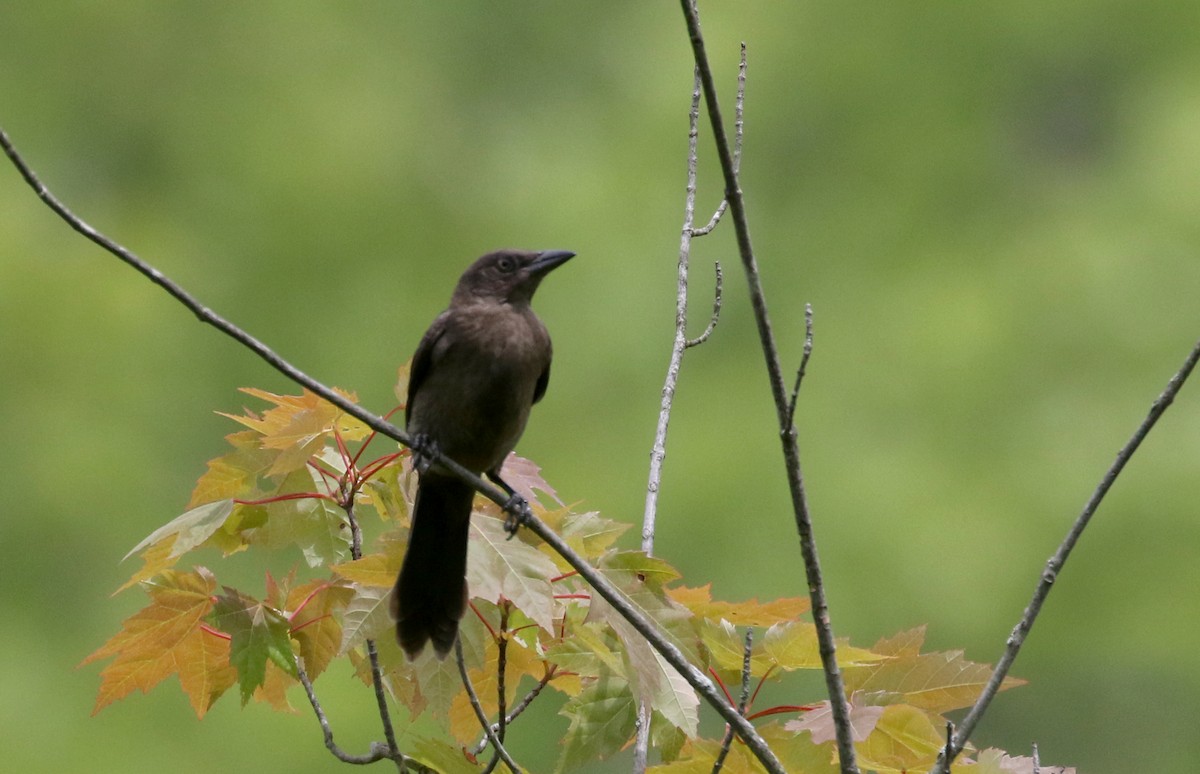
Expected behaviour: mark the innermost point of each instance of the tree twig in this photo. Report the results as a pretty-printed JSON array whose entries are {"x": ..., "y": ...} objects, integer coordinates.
[
  {"x": 603, "y": 587},
  {"x": 385, "y": 716},
  {"x": 519, "y": 707},
  {"x": 743, "y": 701},
  {"x": 1055, "y": 564},
  {"x": 791, "y": 452},
  {"x": 479, "y": 713},
  {"x": 680, "y": 344},
  {"x": 738, "y": 124},
  {"x": 378, "y": 752},
  {"x": 716, "y": 312},
  {"x": 808, "y": 348}
]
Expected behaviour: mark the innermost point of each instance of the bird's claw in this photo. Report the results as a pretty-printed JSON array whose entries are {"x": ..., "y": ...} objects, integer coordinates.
[
  {"x": 516, "y": 514},
  {"x": 424, "y": 451}
]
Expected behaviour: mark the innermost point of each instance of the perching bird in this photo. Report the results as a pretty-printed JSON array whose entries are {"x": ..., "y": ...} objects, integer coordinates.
[{"x": 478, "y": 370}]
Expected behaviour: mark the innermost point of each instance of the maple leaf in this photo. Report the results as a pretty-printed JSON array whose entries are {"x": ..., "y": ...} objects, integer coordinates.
[
  {"x": 257, "y": 634},
  {"x": 819, "y": 722},
  {"x": 749, "y": 613},
  {"x": 499, "y": 568},
  {"x": 588, "y": 533},
  {"x": 298, "y": 426},
  {"x": 316, "y": 624},
  {"x": 525, "y": 476},
  {"x": 904, "y": 739},
  {"x": 314, "y": 524},
  {"x": 366, "y": 616},
  {"x": 177, "y": 537},
  {"x": 938, "y": 682},
  {"x": 636, "y": 565},
  {"x": 166, "y": 638},
  {"x": 993, "y": 761},
  {"x": 794, "y": 646},
  {"x": 235, "y": 473},
  {"x": 602, "y": 720}
]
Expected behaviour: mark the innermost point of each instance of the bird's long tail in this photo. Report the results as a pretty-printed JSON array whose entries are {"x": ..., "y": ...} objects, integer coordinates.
[{"x": 430, "y": 596}]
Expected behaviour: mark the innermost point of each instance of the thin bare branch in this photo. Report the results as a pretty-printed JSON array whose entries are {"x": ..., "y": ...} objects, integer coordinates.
[
  {"x": 518, "y": 708},
  {"x": 385, "y": 715},
  {"x": 1055, "y": 564},
  {"x": 716, "y": 313},
  {"x": 791, "y": 452},
  {"x": 743, "y": 701},
  {"x": 479, "y": 713},
  {"x": 501, "y": 667},
  {"x": 808, "y": 348},
  {"x": 602, "y": 586},
  {"x": 738, "y": 124},
  {"x": 378, "y": 752}
]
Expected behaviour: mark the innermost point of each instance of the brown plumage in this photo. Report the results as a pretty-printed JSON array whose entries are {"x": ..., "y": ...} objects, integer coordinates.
[{"x": 478, "y": 370}]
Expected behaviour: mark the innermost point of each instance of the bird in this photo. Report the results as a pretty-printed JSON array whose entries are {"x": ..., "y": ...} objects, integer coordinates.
[{"x": 476, "y": 374}]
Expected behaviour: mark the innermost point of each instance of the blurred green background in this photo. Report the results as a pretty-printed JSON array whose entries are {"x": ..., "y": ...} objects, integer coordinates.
[{"x": 991, "y": 207}]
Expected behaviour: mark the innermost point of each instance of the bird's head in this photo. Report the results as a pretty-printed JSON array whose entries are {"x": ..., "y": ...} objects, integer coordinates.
[{"x": 507, "y": 276}]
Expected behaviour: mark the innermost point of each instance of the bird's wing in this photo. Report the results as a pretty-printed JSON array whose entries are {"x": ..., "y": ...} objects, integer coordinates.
[
  {"x": 539, "y": 389},
  {"x": 422, "y": 361}
]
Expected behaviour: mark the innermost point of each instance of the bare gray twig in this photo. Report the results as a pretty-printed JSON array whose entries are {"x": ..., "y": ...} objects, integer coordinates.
[
  {"x": 385, "y": 716},
  {"x": 787, "y": 431},
  {"x": 519, "y": 707},
  {"x": 378, "y": 752},
  {"x": 738, "y": 124},
  {"x": 479, "y": 713},
  {"x": 808, "y": 348},
  {"x": 743, "y": 702},
  {"x": 716, "y": 312},
  {"x": 1055, "y": 564}
]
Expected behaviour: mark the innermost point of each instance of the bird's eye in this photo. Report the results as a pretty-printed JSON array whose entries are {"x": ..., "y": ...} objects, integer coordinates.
[{"x": 506, "y": 264}]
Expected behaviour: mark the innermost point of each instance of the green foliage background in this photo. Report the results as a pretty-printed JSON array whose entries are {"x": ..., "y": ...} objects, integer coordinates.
[{"x": 992, "y": 208}]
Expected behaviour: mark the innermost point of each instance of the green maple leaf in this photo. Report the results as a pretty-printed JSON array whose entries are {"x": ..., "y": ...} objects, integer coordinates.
[
  {"x": 314, "y": 524},
  {"x": 602, "y": 720},
  {"x": 257, "y": 634}
]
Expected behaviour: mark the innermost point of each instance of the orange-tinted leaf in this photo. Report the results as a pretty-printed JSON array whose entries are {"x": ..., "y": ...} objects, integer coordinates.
[
  {"x": 273, "y": 690},
  {"x": 145, "y": 649},
  {"x": 316, "y": 622},
  {"x": 155, "y": 559},
  {"x": 233, "y": 474},
  {"x": 204, "y": 670},
  {"x": 749, "y": 613},
  {"x": 179, "y": 601}
]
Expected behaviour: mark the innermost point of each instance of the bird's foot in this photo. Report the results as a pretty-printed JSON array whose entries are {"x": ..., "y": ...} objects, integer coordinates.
[
  {"x": 424, "y": 451},
  {"x": 516, "y": 514}
]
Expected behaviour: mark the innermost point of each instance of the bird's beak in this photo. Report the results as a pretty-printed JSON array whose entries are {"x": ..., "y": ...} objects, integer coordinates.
[{"x": 549, "y": 259}]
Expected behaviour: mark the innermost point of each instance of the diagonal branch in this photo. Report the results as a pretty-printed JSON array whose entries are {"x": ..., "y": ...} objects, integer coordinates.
[
  {"x": 497, "y": 745},
  {"x": 1055, "y": 564},
  {"x": 787, "y": 430},
  {"x": 603, "y": 587}
]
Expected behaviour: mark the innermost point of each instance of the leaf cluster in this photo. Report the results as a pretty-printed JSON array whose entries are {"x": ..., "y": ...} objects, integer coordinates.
[{"x": 298, "y": 481}]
